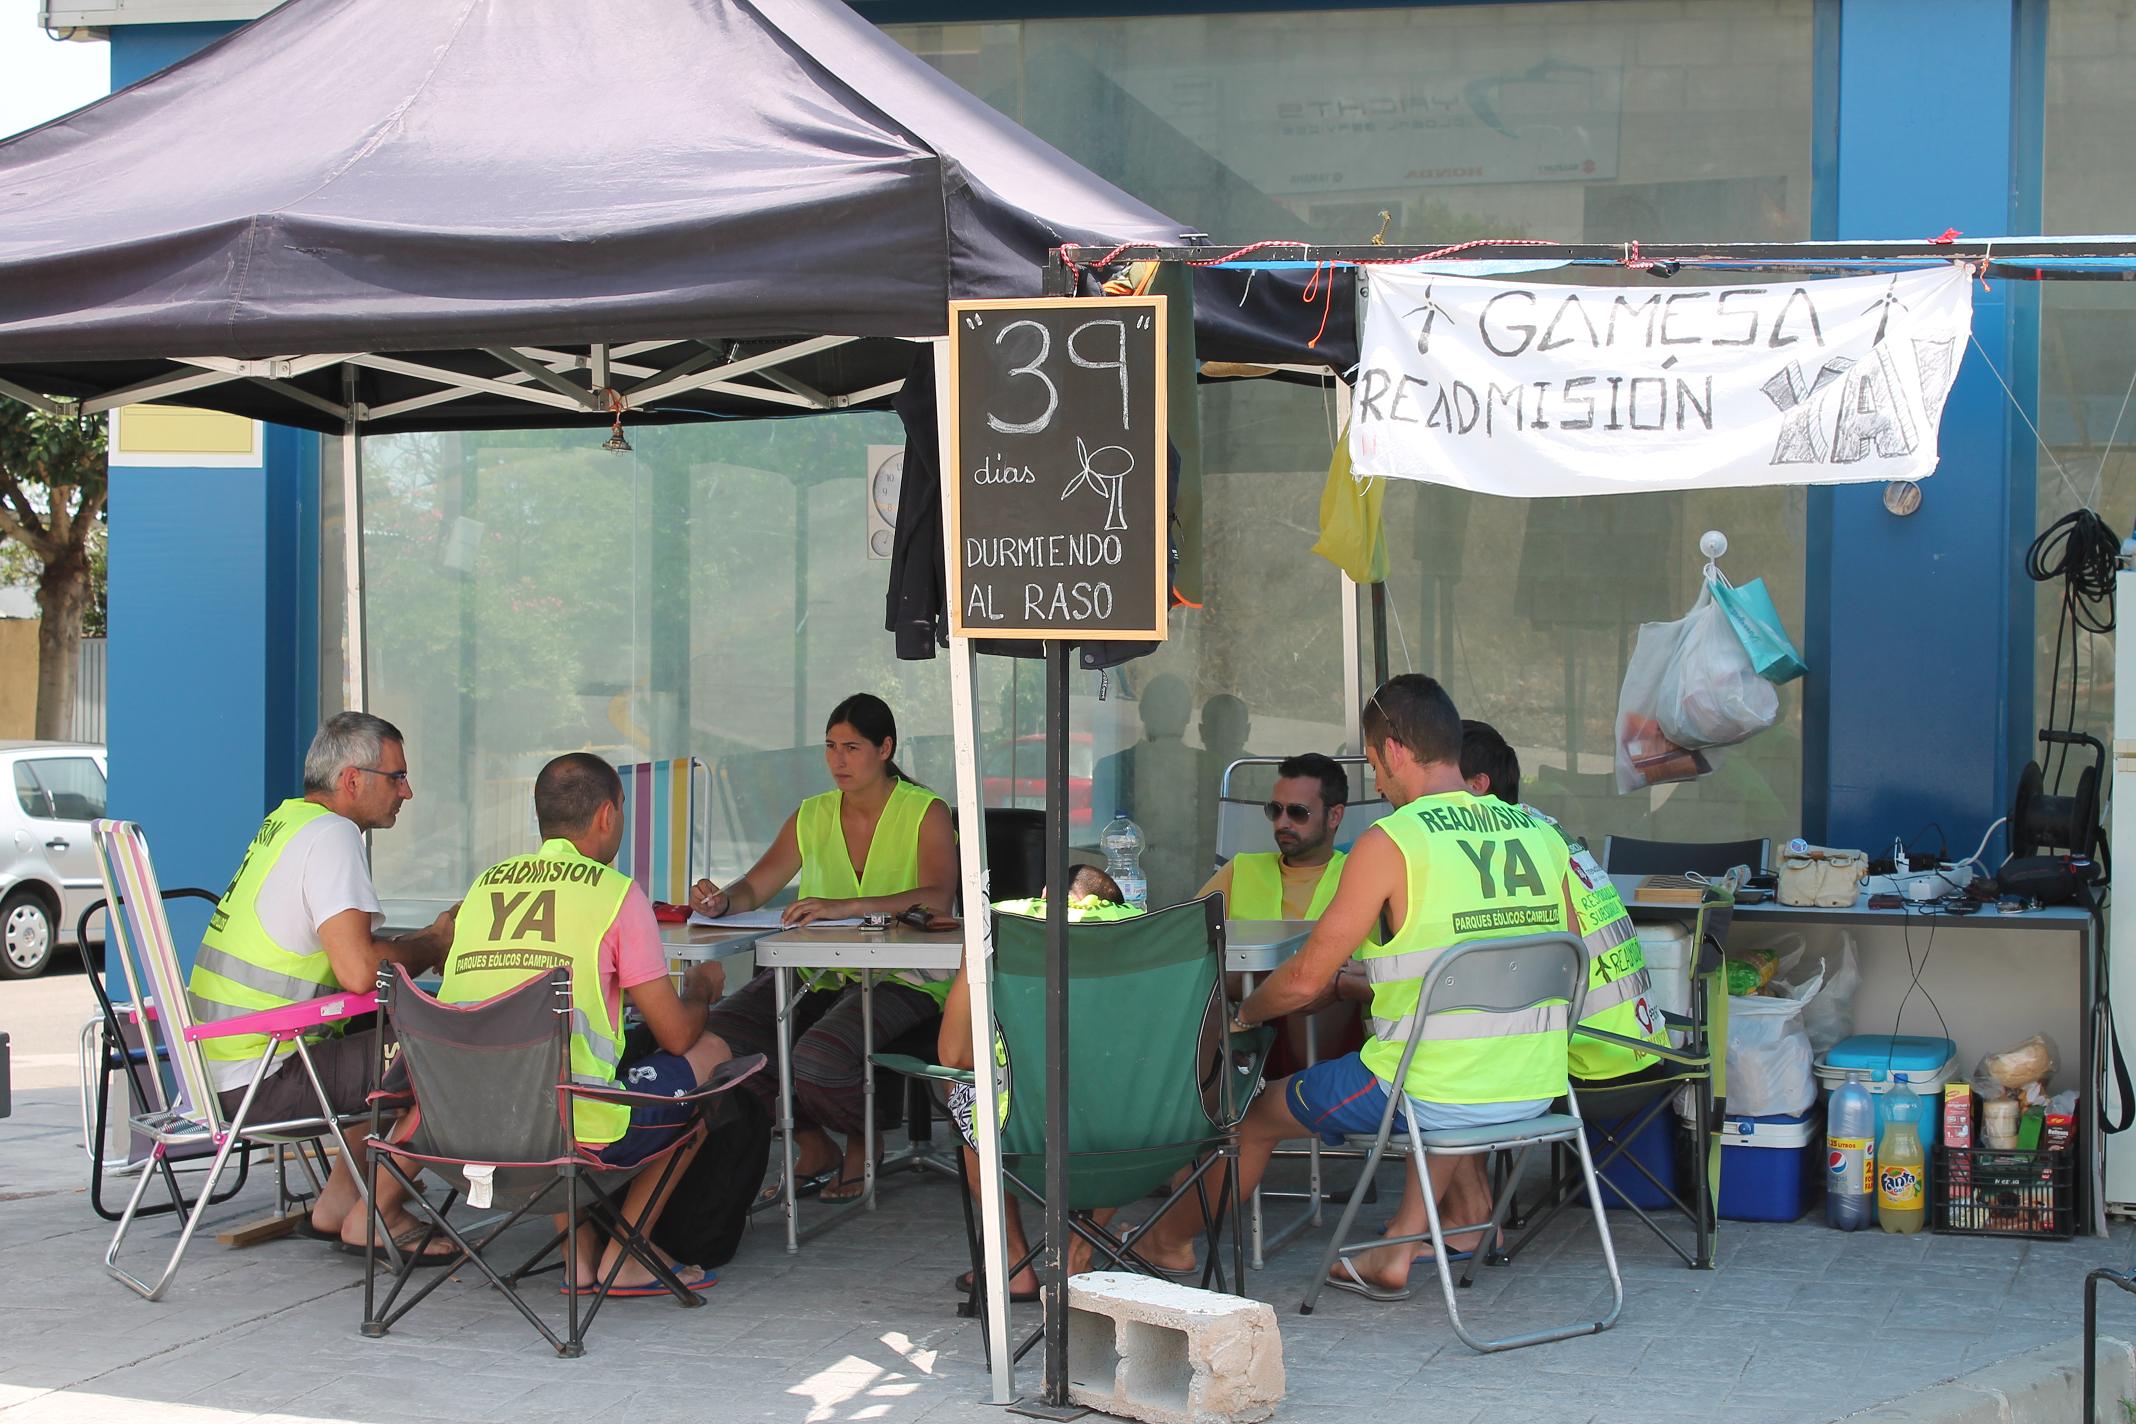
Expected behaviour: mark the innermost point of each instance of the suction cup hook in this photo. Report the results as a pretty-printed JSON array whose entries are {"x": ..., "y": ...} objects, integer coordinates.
[{"x": 1713, "y": 543}]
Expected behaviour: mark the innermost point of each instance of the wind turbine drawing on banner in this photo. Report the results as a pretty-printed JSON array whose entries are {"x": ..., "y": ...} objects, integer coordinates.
[{"x": 1110, "y": 484}]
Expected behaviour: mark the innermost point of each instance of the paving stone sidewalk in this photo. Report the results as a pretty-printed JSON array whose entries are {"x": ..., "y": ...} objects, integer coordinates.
[{"x": 1800, "y": 1324}]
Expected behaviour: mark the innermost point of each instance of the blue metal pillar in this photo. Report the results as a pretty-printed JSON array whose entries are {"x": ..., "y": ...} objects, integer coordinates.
[{"x": 1919, "y": 629}]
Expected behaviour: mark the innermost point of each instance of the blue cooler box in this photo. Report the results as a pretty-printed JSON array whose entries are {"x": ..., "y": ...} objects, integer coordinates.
[
  {"x": 1769, "y": 1167},
  {"x": 1925, "y": 1064}
]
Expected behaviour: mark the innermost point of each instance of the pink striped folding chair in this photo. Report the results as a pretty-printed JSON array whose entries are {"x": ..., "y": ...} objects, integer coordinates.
[
  {"x": 659, "y": 820},
  {"x": 191, "y": 1117}
]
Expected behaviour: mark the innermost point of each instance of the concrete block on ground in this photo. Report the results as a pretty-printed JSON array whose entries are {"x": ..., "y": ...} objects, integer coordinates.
[
  {"x": 2040, "y": 1387},
  {"x": 1165, "y": 1353}
]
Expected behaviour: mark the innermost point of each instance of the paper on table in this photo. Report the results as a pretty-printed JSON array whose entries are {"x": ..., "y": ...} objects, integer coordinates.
[{"x": 756, "y": 920}]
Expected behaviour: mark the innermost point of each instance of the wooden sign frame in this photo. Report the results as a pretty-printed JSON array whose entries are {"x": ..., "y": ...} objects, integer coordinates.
[{"x": 1153, "y": 447}]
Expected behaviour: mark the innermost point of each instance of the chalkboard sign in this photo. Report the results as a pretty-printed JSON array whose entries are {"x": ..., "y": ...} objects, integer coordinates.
[{"x": 1056, "y": 420}]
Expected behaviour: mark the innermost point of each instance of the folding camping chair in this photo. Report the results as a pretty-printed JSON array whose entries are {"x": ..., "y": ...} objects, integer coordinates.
[
  {"x": 660, "y": 800},
  {"x": 493, "y": 1096},
  {"x": 1242, "y": 826},
  {"x": 1620, "y": 1110},
  {"x": 1150, "y": 1095},
  {"x": 112, "y": 1044},
  {"x": 192, "y": 1119},
  {"x": 1515, "y": 975}
]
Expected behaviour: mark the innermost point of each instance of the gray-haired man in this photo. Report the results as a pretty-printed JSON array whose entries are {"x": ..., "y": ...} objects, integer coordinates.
[{"x": 300, "y": 920}]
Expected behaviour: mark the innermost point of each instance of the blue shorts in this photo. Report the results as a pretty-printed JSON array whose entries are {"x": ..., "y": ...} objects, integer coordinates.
[
  {"x": 1342, "y": 1098},
  {"x": 653, "y": 1126}
]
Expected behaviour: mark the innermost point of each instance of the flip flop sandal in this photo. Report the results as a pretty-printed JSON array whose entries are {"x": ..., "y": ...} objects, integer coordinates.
[
  {"x": 963, "y": 1286},
  {"x": 859, "y": 1183},
  {"x": 651, "y": 1290},
  {"x": 807, "y": 1185},
  {"x": 449, "y": 1256},
  {"x": 310, "y": 1232},
  {"x": 1358, "y": 1285}
]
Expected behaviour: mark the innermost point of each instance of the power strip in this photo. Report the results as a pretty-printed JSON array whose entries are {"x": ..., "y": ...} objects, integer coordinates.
[{"x": 1922, "y": 886}]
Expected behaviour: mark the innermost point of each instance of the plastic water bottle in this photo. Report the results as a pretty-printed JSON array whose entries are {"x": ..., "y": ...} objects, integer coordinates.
[
  {"x": 1850, "y": 1157},
  {"x": 1901, "y": 1167},
  {"x": 1122, "y": 842}
]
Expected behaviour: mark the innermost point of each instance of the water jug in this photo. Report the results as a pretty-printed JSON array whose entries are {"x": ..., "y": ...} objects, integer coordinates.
[{"x": 1122, "y": 843}]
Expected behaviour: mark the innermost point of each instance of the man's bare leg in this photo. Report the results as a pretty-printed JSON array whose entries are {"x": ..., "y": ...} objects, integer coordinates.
[
  {"x": 339, "y": 1210},
  {"x": 704, "y": 1058},
  {"x": 1464, "y": 1197},
  {"x": 1267, "y": 1125}
]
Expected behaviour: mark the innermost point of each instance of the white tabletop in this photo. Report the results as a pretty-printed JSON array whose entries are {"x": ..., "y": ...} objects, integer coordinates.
[
  {"x": 1252, "y": 946},
  {"x": 681, "y": 941}
]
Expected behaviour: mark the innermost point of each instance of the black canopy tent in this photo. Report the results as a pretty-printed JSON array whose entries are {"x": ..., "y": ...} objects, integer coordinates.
[{"x": 362, "y": 217}]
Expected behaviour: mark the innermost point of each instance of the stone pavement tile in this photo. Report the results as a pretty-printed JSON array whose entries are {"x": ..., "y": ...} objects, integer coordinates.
[
  {"x": 1692, "y": 1358},
  {"x": 1861, "y": 1303},
  {"x": 436, "y": 1396}
]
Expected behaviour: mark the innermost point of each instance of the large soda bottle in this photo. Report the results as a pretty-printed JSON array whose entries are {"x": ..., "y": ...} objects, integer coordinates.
[
  {"x": 1901, "y": 1170},
  {"x": 1122, "y": 842},
  {"x": 1850, "y": 1155}
]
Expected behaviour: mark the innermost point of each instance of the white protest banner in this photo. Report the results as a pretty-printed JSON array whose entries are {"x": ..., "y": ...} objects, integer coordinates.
[{"x": 1560, "y": 390}]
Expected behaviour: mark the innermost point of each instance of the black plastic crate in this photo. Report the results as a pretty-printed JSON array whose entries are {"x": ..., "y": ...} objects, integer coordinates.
[{"x": 1980, "y": 1191}]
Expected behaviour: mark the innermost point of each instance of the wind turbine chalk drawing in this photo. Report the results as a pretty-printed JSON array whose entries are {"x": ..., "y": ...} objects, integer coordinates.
[{"x": 1108, "y": 483}]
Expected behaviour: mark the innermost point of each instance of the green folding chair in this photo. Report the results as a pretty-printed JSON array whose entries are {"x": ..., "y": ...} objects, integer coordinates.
[{"x": 1149, "y": 1095}]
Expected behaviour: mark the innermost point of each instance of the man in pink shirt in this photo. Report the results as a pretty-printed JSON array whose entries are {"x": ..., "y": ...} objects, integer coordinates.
[{"x": 533, "y": 912}]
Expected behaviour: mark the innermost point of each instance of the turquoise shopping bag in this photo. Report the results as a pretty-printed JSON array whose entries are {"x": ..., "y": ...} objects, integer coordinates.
[{"x": 1757, "y": 623}]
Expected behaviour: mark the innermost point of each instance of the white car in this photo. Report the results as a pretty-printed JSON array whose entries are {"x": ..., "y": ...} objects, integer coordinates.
[{"x": 48, "y": 869}]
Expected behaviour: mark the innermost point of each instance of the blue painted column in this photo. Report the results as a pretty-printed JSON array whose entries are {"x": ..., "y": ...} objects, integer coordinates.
[
  {"x": 214, "y": 609},
  {"x": 1919, "y": 628}
]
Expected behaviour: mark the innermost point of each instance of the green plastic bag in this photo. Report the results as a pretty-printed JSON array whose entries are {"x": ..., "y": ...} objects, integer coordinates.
[
  {"x": 1757, "y": 623},
  {"x": 1351, "y": 535}
]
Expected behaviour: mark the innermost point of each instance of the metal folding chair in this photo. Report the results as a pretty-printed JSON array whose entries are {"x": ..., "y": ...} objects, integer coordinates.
[
  {"x": 191, "y": 1119},
  {"x": 1494, "y": 976},
  {"x": 492, "y": 1100}
]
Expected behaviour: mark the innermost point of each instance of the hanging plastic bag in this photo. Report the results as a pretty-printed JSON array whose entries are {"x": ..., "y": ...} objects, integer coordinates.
[
  {"x": 1352, "y": 536},
  {"x": 1770, "y": 1061},
  {"x": 1758, "y": 627},
  {"x": 1645, "y": 754},
  {"x": 1711, "y": 696}
]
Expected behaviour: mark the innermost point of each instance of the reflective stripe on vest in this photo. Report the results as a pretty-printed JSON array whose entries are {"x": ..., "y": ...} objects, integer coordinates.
[
  {"x": 1617, "y": 977},
  {"x": 530, "y": 915},
  {"x": 240, "y": 969},
  {"x": 1477, "y": 869},
  {"x": 893, "y": 866}
]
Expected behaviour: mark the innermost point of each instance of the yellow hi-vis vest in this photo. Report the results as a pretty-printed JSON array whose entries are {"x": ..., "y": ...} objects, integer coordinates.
[
  {"x": 1477, "y": 869},
  {"x": 240, "y": 969},
  {"x": 531, "y": 914},
  {"x": 893, "y": 864},
  {"x": 1617, "y": 978},
  {"x": 1257, "y": 886}
]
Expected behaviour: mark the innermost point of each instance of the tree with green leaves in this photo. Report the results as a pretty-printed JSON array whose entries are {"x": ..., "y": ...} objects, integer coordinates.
[{"x": 53, "y": 487}]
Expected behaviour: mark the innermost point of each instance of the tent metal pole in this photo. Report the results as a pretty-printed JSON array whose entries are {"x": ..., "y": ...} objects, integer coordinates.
[
  {"x": 978, "y": 958},
  {"x": 355, "y": 678},
  {"x": 1353, "y": 671},
  {"x": 1053, "y": 1277}
]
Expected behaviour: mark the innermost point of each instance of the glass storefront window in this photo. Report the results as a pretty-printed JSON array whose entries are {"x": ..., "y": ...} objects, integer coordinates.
[
  {"x": 714, "y": 593},
  {"x": 2087, "y": 353}
]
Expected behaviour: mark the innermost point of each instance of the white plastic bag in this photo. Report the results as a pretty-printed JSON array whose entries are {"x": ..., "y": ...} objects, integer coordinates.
[
  {"x": 1770, "y": 1069},
  {"x": 1645, "y": 754},
  {"x": 1710, "y": 694},
  {"x": 1829, "y": 1017}
]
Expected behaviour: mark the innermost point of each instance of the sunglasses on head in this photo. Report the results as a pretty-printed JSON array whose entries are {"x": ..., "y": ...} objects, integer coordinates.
[{"x": 1277, "y": 810}]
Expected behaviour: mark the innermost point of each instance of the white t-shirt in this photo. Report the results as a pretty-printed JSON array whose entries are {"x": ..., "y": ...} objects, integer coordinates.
[{"x": 322, "y": 872}]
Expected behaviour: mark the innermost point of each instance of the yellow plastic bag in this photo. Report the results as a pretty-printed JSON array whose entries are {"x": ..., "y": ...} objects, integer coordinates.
[{"x": 1352, "y": 536}]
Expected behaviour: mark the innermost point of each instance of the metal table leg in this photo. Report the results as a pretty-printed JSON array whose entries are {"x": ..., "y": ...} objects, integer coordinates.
[
  {"x": 867, "y": 1088},
  {"x": 782, "y": 999}
]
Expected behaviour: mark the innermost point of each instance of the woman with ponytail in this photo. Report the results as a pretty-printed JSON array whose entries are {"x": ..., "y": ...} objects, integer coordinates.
[{"x": 877, "y": 843}]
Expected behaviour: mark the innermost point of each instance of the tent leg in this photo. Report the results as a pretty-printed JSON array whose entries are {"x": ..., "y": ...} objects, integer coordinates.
[
  {"x": 1053, "y": 1274},
  {"x": 978, "y": 959},
  {"x": 354, "y": 682}
]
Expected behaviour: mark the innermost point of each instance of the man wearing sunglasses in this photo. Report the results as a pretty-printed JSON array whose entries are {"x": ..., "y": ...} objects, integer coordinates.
[{"x": 299, "y": 920}]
